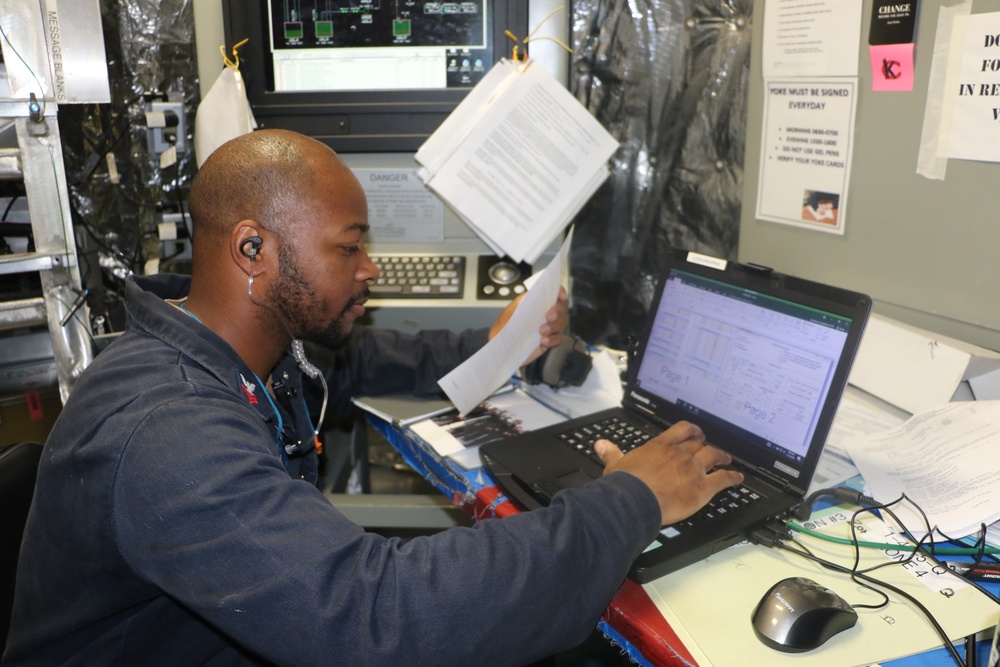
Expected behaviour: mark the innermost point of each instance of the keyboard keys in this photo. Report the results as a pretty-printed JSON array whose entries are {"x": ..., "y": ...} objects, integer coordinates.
[
  {"x": 628, "y": 436},
  {"x": 419, "y": 276},
  {"x": 725, "y": 503}
]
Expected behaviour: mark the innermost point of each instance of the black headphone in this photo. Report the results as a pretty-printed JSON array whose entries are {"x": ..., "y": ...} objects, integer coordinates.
[
  {"x": 254, "y": 242},
  {"x": 566, "y": 364}
]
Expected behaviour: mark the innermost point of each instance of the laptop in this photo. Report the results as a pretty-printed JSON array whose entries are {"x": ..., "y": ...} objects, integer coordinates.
[{"x": 759, "y": 360}]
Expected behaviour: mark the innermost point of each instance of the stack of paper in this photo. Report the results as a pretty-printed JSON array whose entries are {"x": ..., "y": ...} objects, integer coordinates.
[
  {"x": 946, "y": 460},
  {"x": 517, "y": 159},
  {"x": 499, "y": 416}
]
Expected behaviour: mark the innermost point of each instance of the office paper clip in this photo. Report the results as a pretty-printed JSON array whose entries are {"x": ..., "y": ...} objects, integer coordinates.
[
  {"x": 235, "y": 62},
  {"x": 531, "y": 36},
  {"x": 514, "y": 39}
]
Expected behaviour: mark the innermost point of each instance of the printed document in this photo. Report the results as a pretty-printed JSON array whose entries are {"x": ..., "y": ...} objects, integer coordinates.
[
  {"x": 946, "y": 460},
  {"x": 517, "y": 159},
  {"x": 469, "y": 384}
]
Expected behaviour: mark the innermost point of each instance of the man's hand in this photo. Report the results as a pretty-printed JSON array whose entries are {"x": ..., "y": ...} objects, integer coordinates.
[
  {"x": 678, "y": 466},
  {"x": 556, "y": 319}
]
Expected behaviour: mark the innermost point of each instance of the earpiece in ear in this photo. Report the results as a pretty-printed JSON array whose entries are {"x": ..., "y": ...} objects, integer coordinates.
[
  {"x": 254, "y": 243},
  {"x": 251, "y": 252}
]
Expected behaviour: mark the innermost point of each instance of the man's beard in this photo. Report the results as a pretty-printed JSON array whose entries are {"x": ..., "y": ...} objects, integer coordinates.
[{"x": 295, "y": 299}]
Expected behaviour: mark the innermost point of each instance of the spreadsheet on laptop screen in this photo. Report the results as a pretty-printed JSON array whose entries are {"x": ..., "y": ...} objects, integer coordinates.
[{"x": 762, "y": 364}]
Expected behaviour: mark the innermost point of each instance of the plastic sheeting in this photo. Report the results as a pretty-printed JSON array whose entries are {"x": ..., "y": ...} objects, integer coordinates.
[
  {"x": 150, "y": 49},
  {"x": 668, "y": 79}
]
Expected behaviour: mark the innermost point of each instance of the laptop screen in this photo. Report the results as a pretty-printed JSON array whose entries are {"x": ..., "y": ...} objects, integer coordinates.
[{"x": 752, "y": 364}]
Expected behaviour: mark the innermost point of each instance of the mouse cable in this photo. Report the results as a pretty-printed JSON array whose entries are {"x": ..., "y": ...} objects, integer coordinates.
[
  {"x": 878, "y": 582},
  {"x": 844, "y": 494},
  {"x": 980, "y": 545},
  {"x": 918, "y": 548},
  {"x": 978, "y": 552},
  {"x": 848, "y": 495},
  {"x": 932, "y": 554},
  {"x": 807, "y": 553}
]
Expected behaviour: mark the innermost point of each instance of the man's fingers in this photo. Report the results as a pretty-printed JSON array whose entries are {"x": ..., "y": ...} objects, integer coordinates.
[
  {"x": 682, "y": 432},
  {"x": 723, "y": 479},
  {"x": 678, "y": 466},
  {"x": 711, "y": 457},
  {"x": 608, "y": 451}
]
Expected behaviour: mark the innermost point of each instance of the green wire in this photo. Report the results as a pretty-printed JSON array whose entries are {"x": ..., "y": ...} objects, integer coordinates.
[
  {"x": 944, "y": 551},
  {"x": 41, "y": 88}
]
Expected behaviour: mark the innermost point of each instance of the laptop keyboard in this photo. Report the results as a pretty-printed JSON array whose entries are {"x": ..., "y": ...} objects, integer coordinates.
[
  {"x": 629, "y": 436},
  {"x": 723, "y": 504},
  {"x": 419, "y": 276}
]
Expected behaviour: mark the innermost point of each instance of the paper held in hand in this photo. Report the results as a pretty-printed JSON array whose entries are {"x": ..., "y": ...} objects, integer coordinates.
[
  {"x": 517, "y": 159},
  {"x": 480, "y": 375}
]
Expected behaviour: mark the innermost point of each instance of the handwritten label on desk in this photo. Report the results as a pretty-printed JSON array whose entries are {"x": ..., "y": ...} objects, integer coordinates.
[
  {"x": 867, "y": 528},
  {"x": 714, "y": 598}
]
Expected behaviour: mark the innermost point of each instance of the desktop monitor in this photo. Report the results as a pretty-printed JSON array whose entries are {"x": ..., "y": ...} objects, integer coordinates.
[{"x": 367, "y": 75}]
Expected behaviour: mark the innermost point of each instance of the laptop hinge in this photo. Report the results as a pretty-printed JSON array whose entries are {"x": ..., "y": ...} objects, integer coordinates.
[
  {"x": 657, "y": 420},
  {"x": 642, "y": 408},
  {"x": 769, "y": 476}
]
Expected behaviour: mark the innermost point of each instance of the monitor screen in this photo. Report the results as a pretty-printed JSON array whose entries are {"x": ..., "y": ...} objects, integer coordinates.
[
  {"x": 743, "y": 361},
  {"x": 367, "y": 75}
]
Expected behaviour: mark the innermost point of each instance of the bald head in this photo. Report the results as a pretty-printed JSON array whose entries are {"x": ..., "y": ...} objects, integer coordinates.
[{"x": 261, "y": 176}]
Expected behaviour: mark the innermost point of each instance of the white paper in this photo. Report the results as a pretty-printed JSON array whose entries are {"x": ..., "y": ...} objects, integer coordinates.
[
  {"x": 462, "y": 121},
  {"x": 856, "y": 417},
  {"x": 496, "y": 361},
  {"x": 400, "y": 207},
  {"x": 715, "y": 597},
  {"x": 814, "y": 38},
  {"x": 223, "y": 114},
  {"x": 500, "y": 416},
  {"x": 806, "y": 146},
  {"x": 910, "y": 370},
  {"x": 517, "y": 159},
  {"x": 975, "y": 112},
  {"x": 832, "y": 470},
  {"x": 946, "y": 460},
  {"x": 602, "y": 389}
]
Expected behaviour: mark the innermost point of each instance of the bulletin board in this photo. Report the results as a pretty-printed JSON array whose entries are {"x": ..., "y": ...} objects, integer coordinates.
[{"x": 927, "y": 251}]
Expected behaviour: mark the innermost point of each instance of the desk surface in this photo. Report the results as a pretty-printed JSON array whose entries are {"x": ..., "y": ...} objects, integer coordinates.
[{"x": 633, "y": 619}]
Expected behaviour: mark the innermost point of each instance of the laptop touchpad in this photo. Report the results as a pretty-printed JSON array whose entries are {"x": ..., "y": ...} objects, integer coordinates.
[{"x": 573, "y": 480}]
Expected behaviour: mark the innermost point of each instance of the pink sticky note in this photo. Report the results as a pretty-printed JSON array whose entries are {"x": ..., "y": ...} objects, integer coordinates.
[{"x": 892, "y": 66}]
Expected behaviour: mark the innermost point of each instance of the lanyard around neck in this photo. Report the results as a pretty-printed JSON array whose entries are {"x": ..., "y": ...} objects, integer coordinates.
[{"x": 267, "y": 395}]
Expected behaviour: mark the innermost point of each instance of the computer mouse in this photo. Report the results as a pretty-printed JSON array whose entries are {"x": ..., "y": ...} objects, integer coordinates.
[{"x": 797, "y": 615}]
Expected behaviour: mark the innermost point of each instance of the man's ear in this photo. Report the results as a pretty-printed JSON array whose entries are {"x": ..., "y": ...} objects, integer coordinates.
[{"x": 248, "y": 247}]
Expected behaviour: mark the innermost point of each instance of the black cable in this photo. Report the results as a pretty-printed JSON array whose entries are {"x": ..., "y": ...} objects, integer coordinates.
[
  {"x": 857, "y": 574},
  {"x": 844, "y": 494},
  {"x": 116, "y": 252},
  {"x": 931, "y": 554},
  {"x": 878, "y": 582},
  {"x": 10, "y": 205},
  {"x": 885, "y": 598},
  {"x": 979, "y": 544}
]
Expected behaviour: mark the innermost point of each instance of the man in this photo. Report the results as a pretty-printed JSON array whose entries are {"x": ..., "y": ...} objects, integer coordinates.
[{"x": 174, "y": 521}]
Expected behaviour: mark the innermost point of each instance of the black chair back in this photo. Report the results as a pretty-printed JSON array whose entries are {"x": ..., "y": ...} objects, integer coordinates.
[{"x": 18, "y": 470}]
